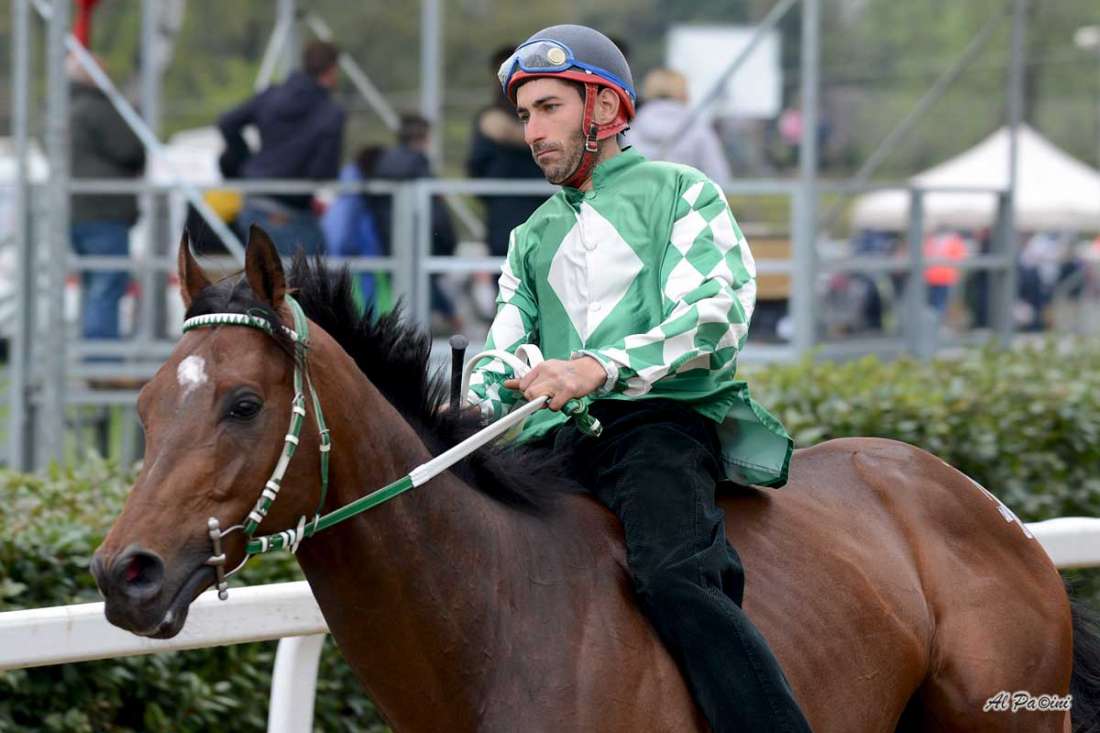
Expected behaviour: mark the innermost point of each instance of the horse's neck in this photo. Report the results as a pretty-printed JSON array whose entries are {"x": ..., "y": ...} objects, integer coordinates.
[{"x": 409, "y": 588}]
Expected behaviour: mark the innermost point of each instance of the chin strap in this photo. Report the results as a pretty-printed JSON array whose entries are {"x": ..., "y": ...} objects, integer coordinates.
[
  {"x": 594, "y": 133},
  {"x": 591, "y": 149}
]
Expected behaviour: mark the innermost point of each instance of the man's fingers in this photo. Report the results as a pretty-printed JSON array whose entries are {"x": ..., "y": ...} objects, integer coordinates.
[
  {"x": 530, "y": 377},
  {"x": 559, "y": 401},
  {"x": 546, "y": 380}
]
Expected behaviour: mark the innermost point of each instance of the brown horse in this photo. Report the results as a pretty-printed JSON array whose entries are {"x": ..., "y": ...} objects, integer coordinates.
[{"x": 896, "y": 593}]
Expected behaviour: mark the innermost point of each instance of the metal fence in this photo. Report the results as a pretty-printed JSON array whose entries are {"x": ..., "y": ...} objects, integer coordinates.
[
  {"x": 99, "y": 415},
  {"x": 50, "y": 369}
]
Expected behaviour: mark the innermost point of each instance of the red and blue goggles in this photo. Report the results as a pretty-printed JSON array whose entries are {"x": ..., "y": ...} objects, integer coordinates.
[{"x": 543, "y": 56}]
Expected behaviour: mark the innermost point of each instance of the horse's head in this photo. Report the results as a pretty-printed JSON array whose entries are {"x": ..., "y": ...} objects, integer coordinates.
[{"x": 215, "y": 417}]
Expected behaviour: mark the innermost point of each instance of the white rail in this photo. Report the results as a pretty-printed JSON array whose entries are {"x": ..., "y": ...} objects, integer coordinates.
[
  {"x": 288, "y": 611},
  {"x": 285, "y": 611}
]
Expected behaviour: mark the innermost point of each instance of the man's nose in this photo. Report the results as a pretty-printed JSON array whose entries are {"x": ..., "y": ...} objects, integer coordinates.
[{"x": 532, "y": 132}]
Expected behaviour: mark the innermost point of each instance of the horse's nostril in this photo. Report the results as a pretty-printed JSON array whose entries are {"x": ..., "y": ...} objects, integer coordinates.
[{"x": 142, "y": 570}]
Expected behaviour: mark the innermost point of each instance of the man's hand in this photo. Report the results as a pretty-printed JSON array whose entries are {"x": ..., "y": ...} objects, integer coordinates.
[{"x": 561, "y": 380}]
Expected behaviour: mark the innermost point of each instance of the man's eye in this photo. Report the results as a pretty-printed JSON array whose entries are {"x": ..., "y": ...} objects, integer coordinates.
[{"x": 245, "y": 409}]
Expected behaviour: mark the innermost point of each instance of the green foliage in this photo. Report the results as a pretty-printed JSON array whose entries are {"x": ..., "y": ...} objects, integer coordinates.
[{"x": 49, "y": 527}]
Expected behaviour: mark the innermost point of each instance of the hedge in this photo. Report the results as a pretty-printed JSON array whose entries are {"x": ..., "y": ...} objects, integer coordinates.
[{"x": 1025, "y": 423}]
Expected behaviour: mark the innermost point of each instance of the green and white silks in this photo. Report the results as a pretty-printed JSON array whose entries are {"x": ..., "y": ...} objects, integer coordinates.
[{"x": 649, "y": 274}]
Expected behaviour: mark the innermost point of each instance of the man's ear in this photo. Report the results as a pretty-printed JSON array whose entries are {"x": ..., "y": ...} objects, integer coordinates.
[{"x": 607, "y": 106}]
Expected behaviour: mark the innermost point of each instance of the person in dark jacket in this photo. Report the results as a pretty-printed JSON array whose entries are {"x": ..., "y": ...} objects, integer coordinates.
[
  {"x": 497, "y": 150},
  {"x": 301, "y": 136},
  {"x": 406, "y": 161},
  {"x": 103, "y": 146}
]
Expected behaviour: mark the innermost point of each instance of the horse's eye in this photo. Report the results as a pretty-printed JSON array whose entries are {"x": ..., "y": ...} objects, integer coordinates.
[{"x": 245, "y": 408}]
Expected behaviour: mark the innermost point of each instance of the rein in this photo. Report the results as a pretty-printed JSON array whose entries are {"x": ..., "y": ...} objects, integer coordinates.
[{"x": 292, "y": 538}]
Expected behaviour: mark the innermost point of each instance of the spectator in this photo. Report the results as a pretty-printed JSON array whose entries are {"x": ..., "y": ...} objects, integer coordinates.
[
  {"x": 976, "y": 287},
  {"x": 408, "y": 160},
  {"x": 942, "y": 278},
  {"x": 498, "y": 150},
  {"x": 301, "y": 135},
  {"x": 103, "y": 146},
  {"x": 350, "y": 229},
  {"x": 786, "y": 135},
  {"x": 663, "y": 115},
  {"x": 1045, "y": 261}
]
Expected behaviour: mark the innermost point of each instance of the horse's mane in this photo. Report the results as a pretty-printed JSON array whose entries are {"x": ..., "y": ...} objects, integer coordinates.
[{"x": 394, "y": 354}]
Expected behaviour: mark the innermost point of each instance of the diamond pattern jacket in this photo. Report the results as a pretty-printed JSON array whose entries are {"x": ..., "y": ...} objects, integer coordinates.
[{"x": 649, "y": 274}]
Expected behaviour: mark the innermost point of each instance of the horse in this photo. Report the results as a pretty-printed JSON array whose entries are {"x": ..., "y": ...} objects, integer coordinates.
[{"x": 897, "y": 594}]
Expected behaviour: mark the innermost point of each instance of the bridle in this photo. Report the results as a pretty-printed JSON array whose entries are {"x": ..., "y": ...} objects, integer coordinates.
[
  {"x": 307, "y": 527},
  {"x": 290, "y": 538}
]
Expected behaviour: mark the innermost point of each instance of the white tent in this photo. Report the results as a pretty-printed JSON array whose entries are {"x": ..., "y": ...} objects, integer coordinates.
[{"x": 1054, "y": 191}]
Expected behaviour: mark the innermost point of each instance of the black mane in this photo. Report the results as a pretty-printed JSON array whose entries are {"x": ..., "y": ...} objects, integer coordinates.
[{"x": 394, "y": 354}]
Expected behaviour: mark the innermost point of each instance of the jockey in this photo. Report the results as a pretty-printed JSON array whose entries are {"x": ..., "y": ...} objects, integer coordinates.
[{"x": 638, "y": 286}]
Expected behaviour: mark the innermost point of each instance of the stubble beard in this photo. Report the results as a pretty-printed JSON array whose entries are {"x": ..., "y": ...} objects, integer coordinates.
[{"x": 558, "y": 171}]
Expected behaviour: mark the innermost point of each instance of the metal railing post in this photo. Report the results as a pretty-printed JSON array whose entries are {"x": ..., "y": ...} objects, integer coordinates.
[
  {"x": 57, "y": 146},
  {"x": 402, "y": 245},
  {"x": 431, "y": 73},
  {"x": 1002, "y": 291},
  {"x": 803, "y": 290},
  {"x": 20, "y": 424},
  {"x": 422, "y": 249},
  {"x": 805, "y": 209},
  {"x": 916, "y": 288}
]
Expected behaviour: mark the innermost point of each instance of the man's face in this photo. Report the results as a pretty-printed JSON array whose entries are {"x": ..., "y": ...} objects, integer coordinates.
[
  {"x": 552, "y": 111},
  {"x": 330, "y": 77}
]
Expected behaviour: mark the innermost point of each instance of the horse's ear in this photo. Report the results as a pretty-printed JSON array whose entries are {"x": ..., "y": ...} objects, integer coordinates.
[
  {"x": 192, "y": 278},
  {"x": 263, "y": 268}
]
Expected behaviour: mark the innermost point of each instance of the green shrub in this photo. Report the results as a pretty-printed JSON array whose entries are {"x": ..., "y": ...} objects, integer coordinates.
[{"x": 49, "y": 527}]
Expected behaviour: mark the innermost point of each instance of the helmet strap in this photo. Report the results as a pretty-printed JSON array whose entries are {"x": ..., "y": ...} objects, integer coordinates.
[{"x": 590, "y": 152}]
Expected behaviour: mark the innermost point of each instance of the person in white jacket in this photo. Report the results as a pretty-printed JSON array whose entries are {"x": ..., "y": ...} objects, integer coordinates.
[{"x": 665, "y": 110}]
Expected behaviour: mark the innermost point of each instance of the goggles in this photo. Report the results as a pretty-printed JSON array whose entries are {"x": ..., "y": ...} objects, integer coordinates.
[{"x": 546, "y": 56}]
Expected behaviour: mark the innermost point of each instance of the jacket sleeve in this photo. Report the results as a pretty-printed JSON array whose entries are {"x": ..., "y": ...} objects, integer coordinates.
[
  {"x": 325, "y": 164},
  {"x": 118, "y": 142},
  {"x": 709, "y": 288},
  {"x": 516, "y": 323},
  {"x": 481, "y": 152},
  {"x": 232, "y": 123}
]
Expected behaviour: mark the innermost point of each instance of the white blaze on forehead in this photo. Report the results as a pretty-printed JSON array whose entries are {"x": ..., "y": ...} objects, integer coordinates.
[{"x": 191, "y": 374}]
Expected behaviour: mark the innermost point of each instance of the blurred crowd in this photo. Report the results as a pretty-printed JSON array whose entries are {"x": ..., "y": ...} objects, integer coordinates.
[
  {"x": 301, "y": 126},
  {"x": 1053, "y": 269},
  {"x": 301, "y": 130}
]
